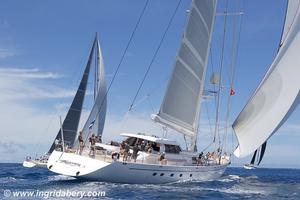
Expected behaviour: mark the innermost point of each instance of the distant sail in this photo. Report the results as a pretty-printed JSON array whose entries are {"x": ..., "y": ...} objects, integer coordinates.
[
  {"x": 96, "y": 114},
  {"x": 71, "y": 122},
  {"x": 277, "y": 95},
  {"x": 262, "y": 152},
  {"x": 181, "y": 105},
  {"x": 253, "y": 158}
]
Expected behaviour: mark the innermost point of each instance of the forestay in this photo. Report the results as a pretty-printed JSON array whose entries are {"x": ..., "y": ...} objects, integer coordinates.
[
  {"x": 96, "y": 119},
  {"x": 181, "y": 105},
  {"x": 277, "y": 95}
]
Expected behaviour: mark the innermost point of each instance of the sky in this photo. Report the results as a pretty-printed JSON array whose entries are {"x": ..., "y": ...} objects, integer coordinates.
[{"x": 44, "y": 47}]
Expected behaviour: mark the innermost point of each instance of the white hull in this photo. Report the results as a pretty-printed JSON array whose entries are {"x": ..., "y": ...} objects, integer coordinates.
[
  {"x": 249, "y": 166},
  {"x": 34, "y": 163},
  {"x": 83, "y": 167}
]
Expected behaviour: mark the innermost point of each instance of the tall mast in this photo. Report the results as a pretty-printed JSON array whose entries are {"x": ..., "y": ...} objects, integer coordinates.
[{"x": 217, "y": 125}]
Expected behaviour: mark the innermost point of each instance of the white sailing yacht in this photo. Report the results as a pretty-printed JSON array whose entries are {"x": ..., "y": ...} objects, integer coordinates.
[
  {"x": 66, "y": 136},
  {"x": 161, "y": 160},
  {"x": 269, "y": 107}
]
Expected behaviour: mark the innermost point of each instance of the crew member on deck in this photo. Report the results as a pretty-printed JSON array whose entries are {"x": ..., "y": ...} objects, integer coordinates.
[
  {"x": 81, "y": 143},
  {"x": 163, "y": 159},
  {"x": 92, "y": 140},
  {"x": 135, "y": 151},
  {"x": 126, "y": 151},
  {"x": 200, "y": 159},
  {"x": 58, "y": 144}
]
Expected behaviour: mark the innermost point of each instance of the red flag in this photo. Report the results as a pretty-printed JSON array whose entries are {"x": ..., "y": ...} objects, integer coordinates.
[{"x": 232, "y": 92}]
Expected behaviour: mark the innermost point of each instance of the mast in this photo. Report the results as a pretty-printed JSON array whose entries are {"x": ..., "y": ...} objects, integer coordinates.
[{"x": 220, "y": 81}]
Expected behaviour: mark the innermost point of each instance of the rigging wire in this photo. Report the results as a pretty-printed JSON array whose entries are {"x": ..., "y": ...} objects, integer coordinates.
[
  {"x": 231, "y": 78},
  {"x": 154, "y": 56},
  {"x": 220, "y": 81},
  {"x": 237, "y": 51},
  {"x": 122, "y": 57},
  {"x": 213, "y": 71}
]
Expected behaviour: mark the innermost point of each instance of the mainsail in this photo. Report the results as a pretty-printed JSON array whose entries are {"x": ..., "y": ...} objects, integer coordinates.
[
  {"x": 71, "y": 122},
  {"x": 180, "y": 108},
  {"x": 277, "y": 95},
  {"x": 96, "y": 119}
]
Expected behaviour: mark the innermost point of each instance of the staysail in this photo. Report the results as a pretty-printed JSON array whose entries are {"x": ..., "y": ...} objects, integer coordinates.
[
  {"x": 180, "y": 108},
  {"x": 71, "y": 122},
  {"x": 277, "y": 95},
  {"x": 96, "y": 119}
]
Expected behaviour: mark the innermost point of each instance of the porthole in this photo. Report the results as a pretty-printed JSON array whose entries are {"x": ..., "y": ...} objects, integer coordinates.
[
  {"x": 161, "y": 174},
  {"x": 180, "y": 175},
  {"x": 171, "y": 174},
  {"x": 154, "y": 174},
  {"x": 191, "y": 175}
]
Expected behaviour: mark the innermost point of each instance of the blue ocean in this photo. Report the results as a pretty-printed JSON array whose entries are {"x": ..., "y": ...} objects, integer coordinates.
[{"x": 17, "y": 182}]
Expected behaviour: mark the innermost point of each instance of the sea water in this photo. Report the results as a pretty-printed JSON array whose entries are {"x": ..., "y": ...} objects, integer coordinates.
[{"x": 17, "y": 182}]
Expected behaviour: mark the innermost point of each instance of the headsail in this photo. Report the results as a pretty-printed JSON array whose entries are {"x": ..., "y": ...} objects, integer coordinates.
[
  {"x": 253, "y": 158},
  {"x": 96, "y": 119},
  {"x": 277, "y": 95},
  {"x": 71, "y": 122},
  {"x": 262, "y": 152},
  {"x": 181, "y": 105}
]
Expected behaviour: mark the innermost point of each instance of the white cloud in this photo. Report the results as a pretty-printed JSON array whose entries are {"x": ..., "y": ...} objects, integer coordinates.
[
  {"x": 22, "y": 122},
  {"x": 10, "y": 147},
  {"x": 32, "y": 73},
  {"x": 19, "y": 83},
  {"x": 5, "y": 53}
]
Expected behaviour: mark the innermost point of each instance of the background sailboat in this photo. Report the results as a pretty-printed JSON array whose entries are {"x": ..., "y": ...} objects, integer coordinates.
[
  {"x": 258, "y": 155},
  {"x": 70, "y": 124}
]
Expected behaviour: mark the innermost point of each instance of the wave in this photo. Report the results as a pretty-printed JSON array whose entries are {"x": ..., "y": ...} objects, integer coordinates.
[
  {"x": 9, "y": 179},
  {"x": 60, "y": 178}
]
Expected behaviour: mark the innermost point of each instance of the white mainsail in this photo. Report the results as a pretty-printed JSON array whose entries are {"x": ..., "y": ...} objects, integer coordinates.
[
  {"x": 278, "y": 93},
  {"x": 96, "y": 119},
  {"x": 180, "y": 108}
]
